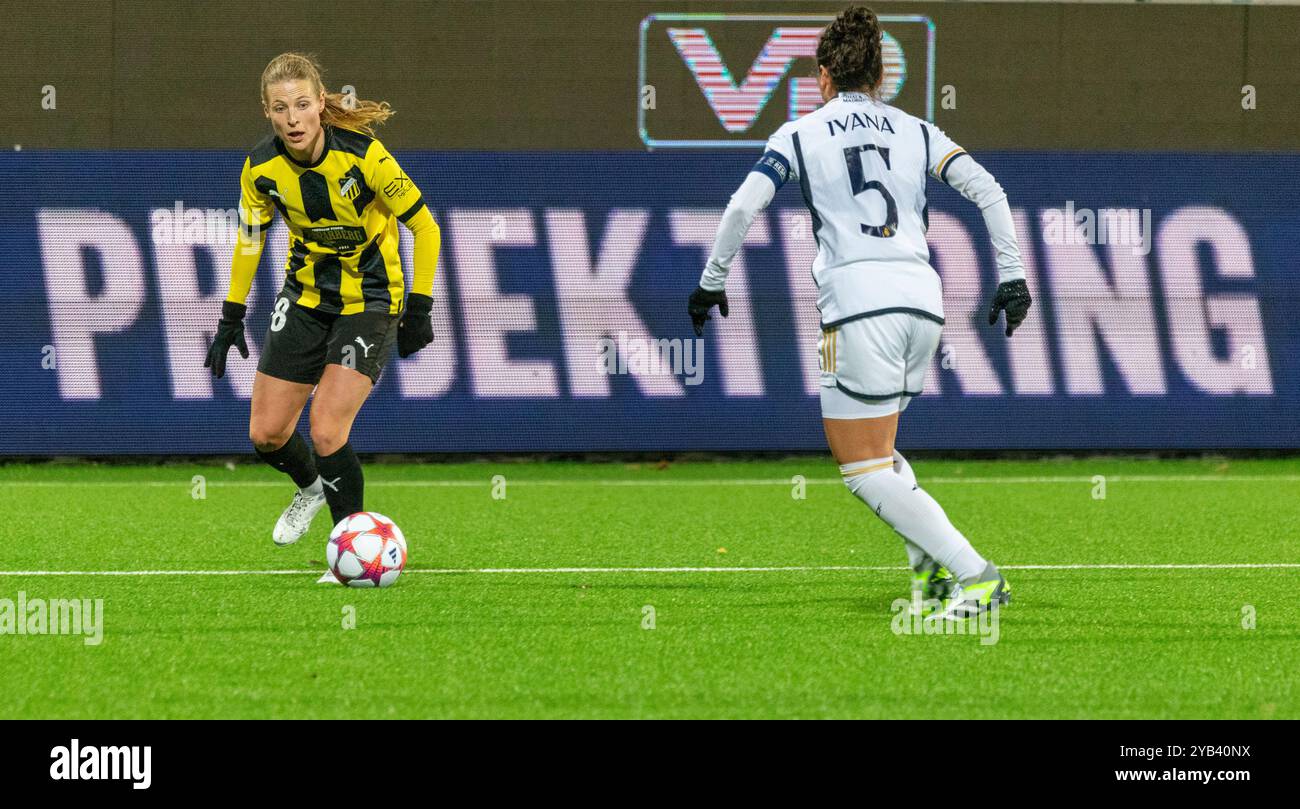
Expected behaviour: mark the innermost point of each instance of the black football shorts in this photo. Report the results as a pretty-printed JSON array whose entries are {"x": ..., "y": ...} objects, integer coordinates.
[{"x": 301, "y": 342}]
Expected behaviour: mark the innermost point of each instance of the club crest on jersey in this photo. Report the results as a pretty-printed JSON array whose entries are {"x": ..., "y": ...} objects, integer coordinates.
[
  {"x": 349, "y": 188},
  {"x": 858, "y": 120}
]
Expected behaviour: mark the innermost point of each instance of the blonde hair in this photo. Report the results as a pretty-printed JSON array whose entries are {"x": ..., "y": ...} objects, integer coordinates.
[{"x": 346, "y": 111}]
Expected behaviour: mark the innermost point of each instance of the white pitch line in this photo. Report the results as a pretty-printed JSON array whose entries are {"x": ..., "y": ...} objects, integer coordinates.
[
  {"x": 714, "y": 482},
  {"x": 545, "y": 570},
  {"x": 159, "y": 572},
  {"x": 1224, "y": 566},
  {"x": 838, "y": 568}
]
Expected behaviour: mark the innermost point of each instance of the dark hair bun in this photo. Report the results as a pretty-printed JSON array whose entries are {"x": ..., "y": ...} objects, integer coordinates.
[{"x": 849, "y": 49}]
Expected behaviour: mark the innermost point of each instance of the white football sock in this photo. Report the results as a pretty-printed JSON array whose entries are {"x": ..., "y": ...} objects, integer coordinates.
[
  {"x": 910, "y": 511},
  {"x": 915, "y": 556},
  {"x": 315, "y": 489},
  {"x": 903, "y": 469}
]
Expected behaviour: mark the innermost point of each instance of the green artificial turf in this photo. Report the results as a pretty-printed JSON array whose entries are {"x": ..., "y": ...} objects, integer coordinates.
[{"x": 473, "y": 628}]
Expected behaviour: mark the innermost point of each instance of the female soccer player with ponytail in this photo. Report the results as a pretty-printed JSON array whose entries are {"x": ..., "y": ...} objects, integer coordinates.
[
  {"x": 862, "y": 167},
  {"x": 344, "y": 301}
]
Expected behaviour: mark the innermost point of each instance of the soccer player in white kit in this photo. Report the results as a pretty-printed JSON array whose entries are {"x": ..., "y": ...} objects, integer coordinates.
[{"x": 862, "y": 167}]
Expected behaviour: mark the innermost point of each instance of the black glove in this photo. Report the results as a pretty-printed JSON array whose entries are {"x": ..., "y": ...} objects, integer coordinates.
[
  {"x": 415, "y": 329},
  {"x": 1013, "y": 296},
  {"x": 702, "y": 300},
  {"x": 230, "y": 332}
]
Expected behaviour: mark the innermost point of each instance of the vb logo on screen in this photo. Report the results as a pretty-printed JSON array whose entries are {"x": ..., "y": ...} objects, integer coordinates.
[{"x": 721, "y": 80}]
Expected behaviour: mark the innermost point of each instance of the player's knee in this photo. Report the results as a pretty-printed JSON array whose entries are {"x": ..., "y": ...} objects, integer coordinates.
[
  {"x": 327, "y": 437},
  {"x": 862, "y": 477},
  {"x": 268, "y": 439}
]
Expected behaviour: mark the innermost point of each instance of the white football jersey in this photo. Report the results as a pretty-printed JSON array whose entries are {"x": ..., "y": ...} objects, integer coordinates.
[{"x": 862, "y": 167}]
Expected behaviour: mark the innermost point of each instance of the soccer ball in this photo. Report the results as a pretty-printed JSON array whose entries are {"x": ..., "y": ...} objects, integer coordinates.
[{"x": 366, "y": 550}]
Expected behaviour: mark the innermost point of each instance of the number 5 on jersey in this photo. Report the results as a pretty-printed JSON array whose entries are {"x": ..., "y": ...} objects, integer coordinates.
[{"x": 858, "y": 181}]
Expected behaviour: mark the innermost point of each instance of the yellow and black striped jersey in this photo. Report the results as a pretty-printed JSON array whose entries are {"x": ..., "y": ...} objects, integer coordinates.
[{"x": 342, "y": 213}]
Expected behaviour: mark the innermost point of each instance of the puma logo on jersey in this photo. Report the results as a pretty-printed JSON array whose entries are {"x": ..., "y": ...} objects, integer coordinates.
[{"x": 365, "y": 349}]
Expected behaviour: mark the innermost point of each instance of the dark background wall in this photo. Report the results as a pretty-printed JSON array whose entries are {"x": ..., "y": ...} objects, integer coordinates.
[{"x": 510, "y": 74}]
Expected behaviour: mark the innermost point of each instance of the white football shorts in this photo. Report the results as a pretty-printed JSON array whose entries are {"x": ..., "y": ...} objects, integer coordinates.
[{"x": 873, "y": 366}]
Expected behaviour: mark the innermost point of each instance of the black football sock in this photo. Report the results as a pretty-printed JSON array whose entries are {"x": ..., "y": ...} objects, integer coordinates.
[
  {"x": 294, "y": 459},
  {"x": 344, "y": 484}
]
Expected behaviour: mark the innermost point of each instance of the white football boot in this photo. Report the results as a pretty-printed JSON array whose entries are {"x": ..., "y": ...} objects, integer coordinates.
[
  {"x": 988, "y": 592},
  {"x": 296, "y": 519}
]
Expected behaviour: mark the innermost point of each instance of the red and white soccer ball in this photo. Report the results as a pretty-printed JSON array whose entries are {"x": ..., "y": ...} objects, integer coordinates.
[{"x": 366, "y": 550}]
